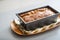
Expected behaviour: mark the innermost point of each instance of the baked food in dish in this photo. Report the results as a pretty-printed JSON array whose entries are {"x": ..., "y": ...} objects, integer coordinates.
[
  {"x": 36, "y": 14},
  {"x": 37, "y": 18}
]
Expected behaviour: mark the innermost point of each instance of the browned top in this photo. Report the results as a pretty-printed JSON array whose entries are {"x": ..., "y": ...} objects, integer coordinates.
[{"x": 36, "y": 14}]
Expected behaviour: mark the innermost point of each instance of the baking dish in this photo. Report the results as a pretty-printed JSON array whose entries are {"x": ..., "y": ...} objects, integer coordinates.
[{"x": 38, "y": 23}]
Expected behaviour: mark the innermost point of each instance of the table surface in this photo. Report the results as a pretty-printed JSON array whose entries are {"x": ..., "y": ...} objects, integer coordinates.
[{"x": 8, "y": 11}]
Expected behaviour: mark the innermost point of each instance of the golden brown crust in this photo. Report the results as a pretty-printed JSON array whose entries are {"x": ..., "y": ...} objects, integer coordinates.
[{"x": 36, "y": 14}]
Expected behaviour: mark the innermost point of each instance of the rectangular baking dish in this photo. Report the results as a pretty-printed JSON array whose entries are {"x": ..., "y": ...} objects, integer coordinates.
[{"x": 38, "y": 23}]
